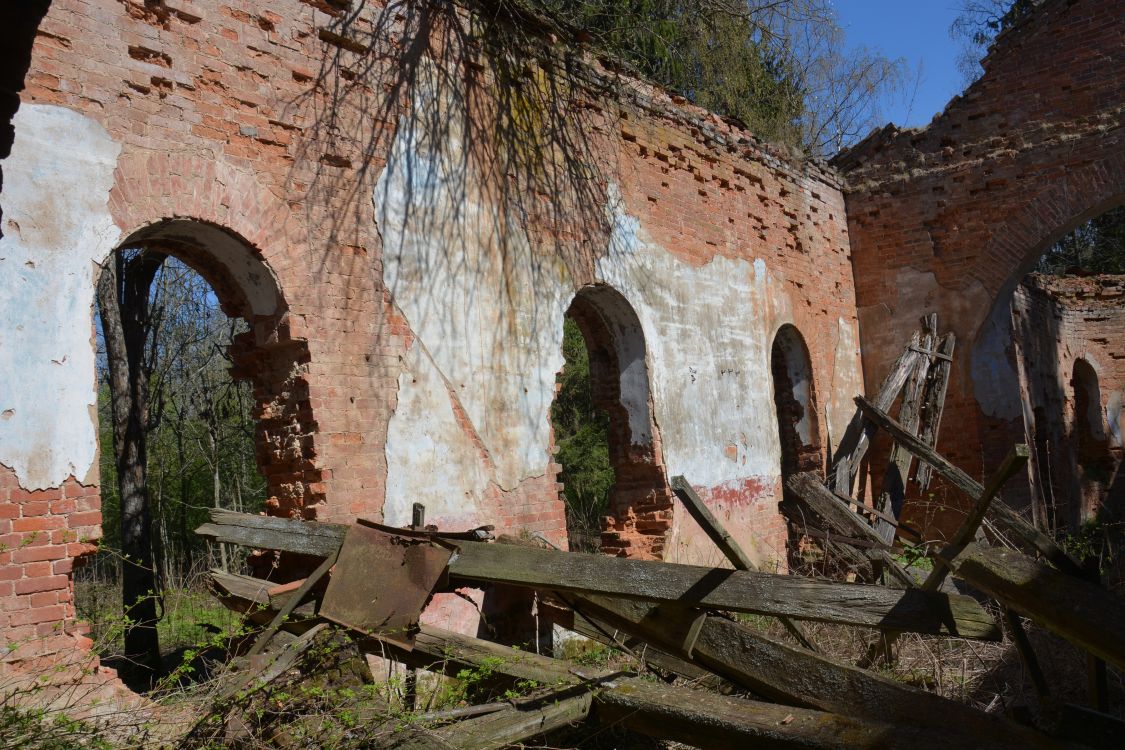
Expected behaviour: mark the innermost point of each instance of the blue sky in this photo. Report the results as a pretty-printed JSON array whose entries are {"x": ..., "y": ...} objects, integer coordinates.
[{"x": 918, "y": 31}]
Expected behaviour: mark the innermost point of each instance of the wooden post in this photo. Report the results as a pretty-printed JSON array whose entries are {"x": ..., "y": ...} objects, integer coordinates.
[
  {"x": 1082, "y": 612},
  {"x": 1013, "y": 462},
  {"x": 910, "y": 416},
  {"x": 1016, "y": 458},
  {"x": 296, "y": 599},
  {"x": 936, "y": 389},
  {"x": 962, "y": 481},
  {"x": 727, "y": 545},
  {"x": 853, "y": 444}
]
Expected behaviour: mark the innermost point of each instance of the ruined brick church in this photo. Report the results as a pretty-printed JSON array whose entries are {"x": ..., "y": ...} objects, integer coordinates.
[{"x": 404, "y": 213}]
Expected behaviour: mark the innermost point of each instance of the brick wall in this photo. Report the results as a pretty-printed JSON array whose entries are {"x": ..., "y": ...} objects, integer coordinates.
[
  {"x": 1070, "y": 337},
  {"x": 948, "y": 218},
  {"x": 253, "y": 141}
]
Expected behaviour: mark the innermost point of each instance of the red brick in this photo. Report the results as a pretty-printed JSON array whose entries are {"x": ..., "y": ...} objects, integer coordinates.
[
  {"x": 52, "y": 613},
  {"x": 35, "y": 554},
  {"x": 35, "y": 585}
]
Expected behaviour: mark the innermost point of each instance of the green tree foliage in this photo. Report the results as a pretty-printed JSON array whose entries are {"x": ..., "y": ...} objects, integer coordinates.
[
  {"x": 582, "y": 440},
  {"x": 1097, "y": 246},
  {"x": 710, "y": 53},
  {"x": 778, "y": 66},
  {"x": 200, "y": 428}
]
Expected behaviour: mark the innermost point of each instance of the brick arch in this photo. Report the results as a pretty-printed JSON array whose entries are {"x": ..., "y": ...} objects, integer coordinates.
[
  {"x": 1014, "y": 247},
  {"x": 150, "y": 186},
  {"x": 223, "y": 224},
  {"x": 640, "y": 502}
]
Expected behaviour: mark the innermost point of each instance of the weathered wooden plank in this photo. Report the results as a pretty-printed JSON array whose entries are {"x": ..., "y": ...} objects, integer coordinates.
[
  {"x": 1016, "y": 458},
  {"x": 499, "y": 729},
  {"x": 291, "y": 603},
  {"x": 897, "y": 474},
  {"x": 794, "y": 675},
  {"x": 1080, "y": 611},
  {"x": 934, "y": 406},
  {"x": 706, "y": 719},
  {"x": 268, "y": 532},
  {"x": 853, "y": 445},
  {"x": 1027, "y": 653},
  {"x": 1004, "y": 515},
  {"x": 807, "y": 487},
  {"x": 607, "y": 635},
  {"x": 710, "y": 525},
  {"x": 1013, "y": 462},
  {"x": 727, "y": 544},
  {"x": 720, "y": 588}
]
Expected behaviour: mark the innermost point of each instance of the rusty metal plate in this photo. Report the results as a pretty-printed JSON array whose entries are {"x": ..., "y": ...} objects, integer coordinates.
[{"x": 382, "y": 581}]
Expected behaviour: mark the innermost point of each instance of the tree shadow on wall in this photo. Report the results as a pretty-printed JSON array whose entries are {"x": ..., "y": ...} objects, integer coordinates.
[
  {"x": 481, "y": 152},
  {"x": 475, "y": 129}
]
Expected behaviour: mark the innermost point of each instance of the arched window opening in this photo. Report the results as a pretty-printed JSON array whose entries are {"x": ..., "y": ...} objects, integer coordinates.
[
  {"x": 1093, "y": 462},
  {"x": 795, "y": 402},
  {"x": 197, "y": 387},
  {"x": 1064, "y": 315},
  {"x": 613, "y": 480}
]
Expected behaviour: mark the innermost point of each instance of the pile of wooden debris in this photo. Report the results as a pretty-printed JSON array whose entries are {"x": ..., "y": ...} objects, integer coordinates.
[{"x": 373, "y": 582}]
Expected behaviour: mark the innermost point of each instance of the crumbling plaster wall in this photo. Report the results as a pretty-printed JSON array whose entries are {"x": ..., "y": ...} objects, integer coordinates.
[
  {"x": 1059, "y": 321},
  {"x": 417, "y": 336},
  {"x": 948, "y": 218}
]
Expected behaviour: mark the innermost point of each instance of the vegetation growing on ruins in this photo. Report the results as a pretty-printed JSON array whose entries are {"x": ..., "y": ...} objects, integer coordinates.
[
  {"x": 582, "y": 440},
  {"x": 181, "y": 435},
  {"x": 778, "y": 67}
]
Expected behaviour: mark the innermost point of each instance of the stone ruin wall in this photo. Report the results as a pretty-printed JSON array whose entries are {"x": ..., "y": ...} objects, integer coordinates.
[
  {"x": 948, "y": 218},
  {"x": 1063, "y": 324},
  {"x": 406, "y": 310}
]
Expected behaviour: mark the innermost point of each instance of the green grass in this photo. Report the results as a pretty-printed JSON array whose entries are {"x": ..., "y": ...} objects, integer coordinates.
[{"x": 191, "y": 616}]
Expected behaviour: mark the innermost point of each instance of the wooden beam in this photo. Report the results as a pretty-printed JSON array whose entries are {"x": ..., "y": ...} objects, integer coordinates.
[
  {"x": 720, "y": 588},
  {"x": 936, "y": 390},
  {"x": 717, "y": 588},
  {"x": 269, "y": 532},
  {"x": 857, "y": 436},
  {"x": 710, "y": 525},
  {"x": 291, "y": 603},
  {"x": 1013, "y": 462},
  {"x": 796, "y": 676},
  {"x": 510, "y": 726},
  {"x": 897, "y": 474},
  {"x": 1004, "y": 515},
  {"x": 727, "y": 544},
  {"x": 808, "y": 488},
  {"x": 1082, "y": 612},
  {"x": 707, "y": 719}
]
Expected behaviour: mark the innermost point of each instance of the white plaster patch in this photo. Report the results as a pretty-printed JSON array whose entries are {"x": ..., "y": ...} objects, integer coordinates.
[
  {"x": 462, "y": 271},
  {"x": 1113, "y": 410},
  {"x": 57, "y": 229},
  {"x": 847, "y": 380},
  {"x": 430, "y": 459},
  {"x": 707, "y": 332}
]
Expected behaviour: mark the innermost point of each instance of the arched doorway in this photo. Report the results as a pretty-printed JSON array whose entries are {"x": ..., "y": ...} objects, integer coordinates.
[
  {"x": 1065, "y": 315},
  {"x": 1093, "y": 464},
  {"x": 158, "y": 297},
  {"x": 636, "y": 508},
  {"x": 794, "y": 397}
]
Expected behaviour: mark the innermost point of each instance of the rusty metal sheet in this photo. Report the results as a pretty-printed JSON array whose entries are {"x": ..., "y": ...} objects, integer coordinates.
[{"x": 382, "y": 581}]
